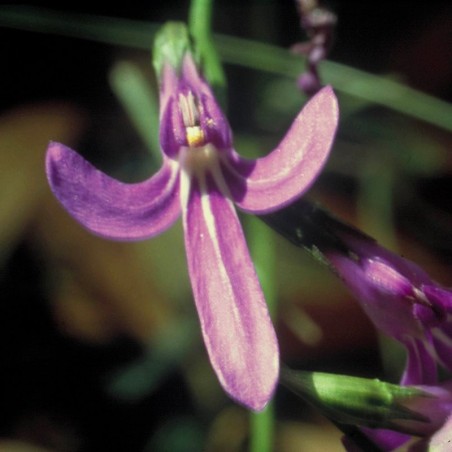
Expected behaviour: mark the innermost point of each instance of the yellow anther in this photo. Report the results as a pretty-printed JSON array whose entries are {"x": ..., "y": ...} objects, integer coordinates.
[{"x": 195, "y": 136}]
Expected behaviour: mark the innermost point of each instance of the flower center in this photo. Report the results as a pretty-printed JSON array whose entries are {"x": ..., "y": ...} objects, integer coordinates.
[
  {"x": 199, "y": 160},
  {"x": 190, "y": 117}
]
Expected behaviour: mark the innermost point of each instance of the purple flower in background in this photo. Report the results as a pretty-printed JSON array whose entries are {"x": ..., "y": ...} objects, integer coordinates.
[
  {"x": 202, "y": 177},
  {"x": 318, "y": 23},
  {"x": 402, "y": 301},
  {"x": 429, "y": 419},
  {"x": 397, "y": 295}
]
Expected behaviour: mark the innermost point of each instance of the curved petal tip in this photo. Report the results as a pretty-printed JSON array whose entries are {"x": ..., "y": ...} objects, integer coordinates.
[
  {"x": 271, "y": 182},
  {"x": 108, "y": 207},
  {"x": 256, "y": 392}
]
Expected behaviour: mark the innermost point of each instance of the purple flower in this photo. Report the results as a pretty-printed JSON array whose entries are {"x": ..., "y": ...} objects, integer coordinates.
[
  {"x": 318, "y": 23},
  {"x": 202, "y": 177},
  {"x": 402, "y": 301},
  {"x": 397, "y": 295}
]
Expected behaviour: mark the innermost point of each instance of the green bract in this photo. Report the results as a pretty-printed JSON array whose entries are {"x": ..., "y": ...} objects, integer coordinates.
[
  {"x": 355, "y": 400},
  {"x": 171, "y": 43}
]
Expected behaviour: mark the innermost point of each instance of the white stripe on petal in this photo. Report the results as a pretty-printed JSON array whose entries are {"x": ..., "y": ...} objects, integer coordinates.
[{"x": 235, "y": 323}]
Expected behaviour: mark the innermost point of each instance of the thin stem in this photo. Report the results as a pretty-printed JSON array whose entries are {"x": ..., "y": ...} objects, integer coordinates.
[
  {"x": 261, "y": 242},
  {"x": 200, "y": 26},
  {"x": 200, "y": 18},
  {"x": 139, "y": 101},
  {"x": 262, "y": 430},
  {"x": 376, "y": 201},
  {"x": 354, "y": 82},
  {"x": 255, "y": 55}
]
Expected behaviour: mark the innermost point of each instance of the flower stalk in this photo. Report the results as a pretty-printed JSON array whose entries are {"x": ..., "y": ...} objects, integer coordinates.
[
  {"x": 200, "y": 27},
  {"x": 262, "y": 248}
]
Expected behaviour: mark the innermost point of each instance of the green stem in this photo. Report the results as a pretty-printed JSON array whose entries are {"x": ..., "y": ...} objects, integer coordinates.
[
  {"x": 363, "y": 85},
  {"x": 261, "y": 242},
  {"x": 139, "y": 101},
  {"x": 262, "y": 430},
  {"x": 376, "y": 201},
  {"x": 200, "y": 26},
  {"x": 200, "y": 18},
  {"x": 255, "y": 55}
]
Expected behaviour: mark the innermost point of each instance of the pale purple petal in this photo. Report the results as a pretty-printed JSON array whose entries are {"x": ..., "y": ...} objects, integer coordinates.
[
  {"x": 235, "y": 323},
  {"x": 268, "y": 183},
  {"x": 110, "y": 208},
  {"x": 169, "y": 83},
  {"x": 381, "y": 275},
  {"x": 421, "y": 366},
  {"x": 441, "y": 440},
  {"x": 442, "y": 339},
  {"x": 390, "y": 312}
]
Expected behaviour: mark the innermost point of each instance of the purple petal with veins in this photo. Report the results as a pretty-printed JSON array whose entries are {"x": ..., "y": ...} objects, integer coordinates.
[
  {"x": 236, "y": 327},
  {"x": 273, "y": 181},
  {"x": 108, "y": 207},
  {"x": 402, "y": 301},
  {"x": 420, "y": 365}
]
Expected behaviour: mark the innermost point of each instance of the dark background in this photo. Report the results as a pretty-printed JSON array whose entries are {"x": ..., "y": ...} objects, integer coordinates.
[{"x": 44, "y": 371}]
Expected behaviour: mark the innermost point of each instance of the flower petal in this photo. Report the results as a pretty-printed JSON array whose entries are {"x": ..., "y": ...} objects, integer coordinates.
[
  {"x": 384, "y": 440},
  {"x": 235, "y": 323},
  {"x": 442, "y": 340},
  {"x": 440, "y": 440},
  {"x": 108, "y": 207},
  {"x": 268, "y": 183},
  {"x": 420, "y": 366}
]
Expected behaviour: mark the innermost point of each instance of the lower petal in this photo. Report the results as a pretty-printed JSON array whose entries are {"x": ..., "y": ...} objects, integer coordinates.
[
  {"x": 108, "y": 207},
  {"x": 235, "y": 323}
]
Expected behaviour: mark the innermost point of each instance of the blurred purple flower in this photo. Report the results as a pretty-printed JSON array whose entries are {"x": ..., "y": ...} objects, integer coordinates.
[
  {"x": 318, "y": 23},
  {"x": 397, "y": 295},
  {"x": 406, "y": 304},
  {"x": 402, "y": 301},
  {"x": 431, "y": 421},
  {"x": 202, "y": 177}
]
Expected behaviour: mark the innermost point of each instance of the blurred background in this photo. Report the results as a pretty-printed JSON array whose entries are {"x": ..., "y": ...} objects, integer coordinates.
[{"x": 99, "y": 342}]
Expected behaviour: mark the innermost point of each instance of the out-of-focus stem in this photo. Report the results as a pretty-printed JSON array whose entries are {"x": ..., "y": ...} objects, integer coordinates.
[
  {"x": 200, "y": 26},
  {"x": 261, "y": 242}
]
